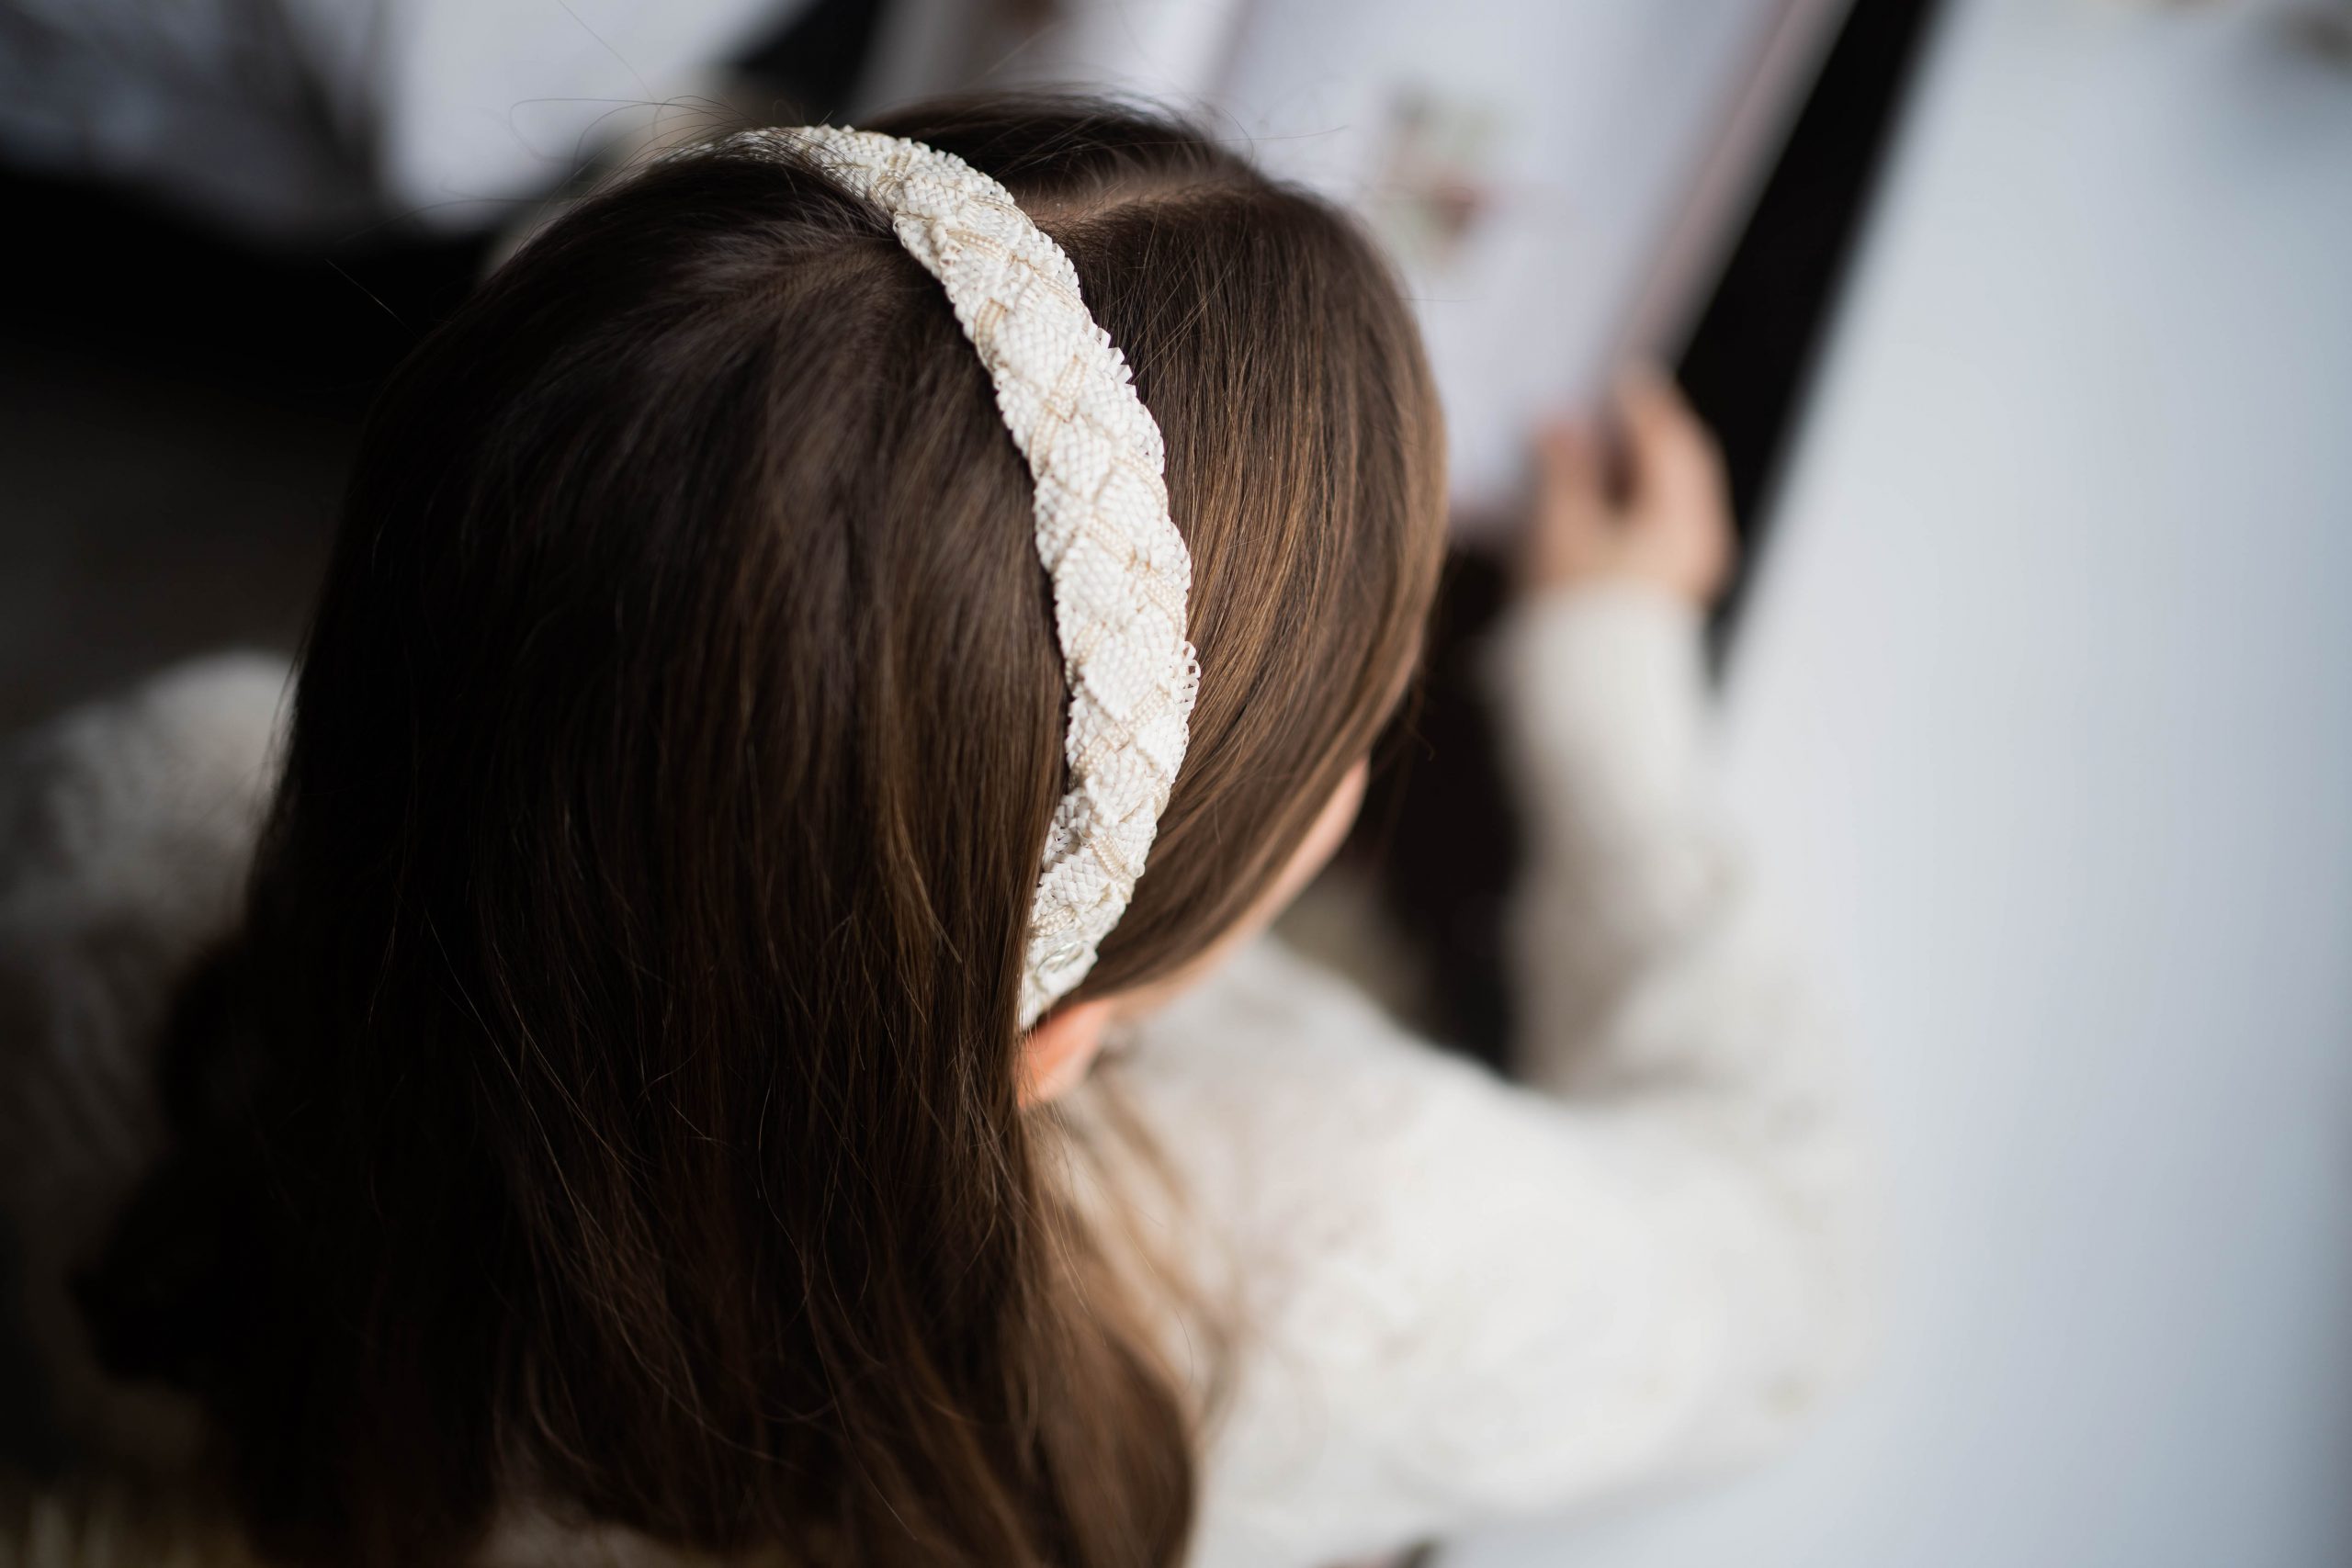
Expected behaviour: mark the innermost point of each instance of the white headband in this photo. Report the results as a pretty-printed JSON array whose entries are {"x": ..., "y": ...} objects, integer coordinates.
[{"x": 1120, "y": 570}]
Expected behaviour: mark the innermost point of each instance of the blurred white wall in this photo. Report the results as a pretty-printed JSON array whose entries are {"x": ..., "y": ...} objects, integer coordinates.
[{"x": 2044, "y": 719}]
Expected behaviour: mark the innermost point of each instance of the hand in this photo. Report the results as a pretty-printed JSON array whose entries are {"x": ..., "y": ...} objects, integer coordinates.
[{"x": 1667, "y": 525}]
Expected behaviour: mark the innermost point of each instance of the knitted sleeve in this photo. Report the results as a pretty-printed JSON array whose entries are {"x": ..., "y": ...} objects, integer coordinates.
[
  {"x": 1453, "y": 1298},
  {"x": 126, "y": 829}
]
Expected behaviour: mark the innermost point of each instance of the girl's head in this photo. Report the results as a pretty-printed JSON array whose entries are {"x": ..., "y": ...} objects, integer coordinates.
[{"x": 617, "y": 1097}]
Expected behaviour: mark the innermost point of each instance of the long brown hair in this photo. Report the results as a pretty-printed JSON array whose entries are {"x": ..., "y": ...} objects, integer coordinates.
[{"x": 612, "y": 1098}]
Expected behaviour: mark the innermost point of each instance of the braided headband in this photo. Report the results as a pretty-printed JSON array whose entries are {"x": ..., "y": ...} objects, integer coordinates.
[{"x": 1120, "y": 570}]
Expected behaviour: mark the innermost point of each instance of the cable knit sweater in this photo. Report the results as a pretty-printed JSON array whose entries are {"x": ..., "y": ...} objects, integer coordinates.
[{"x": 1453, "y": 1298}]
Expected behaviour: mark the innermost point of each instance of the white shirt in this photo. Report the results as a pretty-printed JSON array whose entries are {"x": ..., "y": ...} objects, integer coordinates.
[{"x": 1453, "y": 1298}]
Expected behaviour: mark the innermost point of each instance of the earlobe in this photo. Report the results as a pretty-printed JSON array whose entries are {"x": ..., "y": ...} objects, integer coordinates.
[
  {"x": 1056, "y": 1053},
  {"x": 1063, "y": 1044}
]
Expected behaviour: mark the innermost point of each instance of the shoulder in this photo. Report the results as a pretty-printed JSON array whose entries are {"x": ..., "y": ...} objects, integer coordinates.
[
  {"x": 1289, "y": 1110},
  {"x": 1375, "y": 1228},
  {"x": 1440, "y": 1296}
]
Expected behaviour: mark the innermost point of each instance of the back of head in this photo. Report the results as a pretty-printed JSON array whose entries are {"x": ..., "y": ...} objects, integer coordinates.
[{"x": 614, "y": 1099}]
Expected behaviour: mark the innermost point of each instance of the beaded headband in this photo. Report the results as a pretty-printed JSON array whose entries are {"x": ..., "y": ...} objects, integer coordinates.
[{"x": 1119, "y": 568}]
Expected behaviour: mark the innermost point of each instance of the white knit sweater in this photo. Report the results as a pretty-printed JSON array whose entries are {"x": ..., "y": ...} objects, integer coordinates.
[{"x": 1455, "y": 1298}]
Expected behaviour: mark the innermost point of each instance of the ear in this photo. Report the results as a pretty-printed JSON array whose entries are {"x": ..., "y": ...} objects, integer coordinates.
[{"x": 1056, "y": 1053}]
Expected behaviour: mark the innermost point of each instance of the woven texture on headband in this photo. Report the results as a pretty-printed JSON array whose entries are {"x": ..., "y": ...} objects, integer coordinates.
[{"x": 1120, "y": 570}]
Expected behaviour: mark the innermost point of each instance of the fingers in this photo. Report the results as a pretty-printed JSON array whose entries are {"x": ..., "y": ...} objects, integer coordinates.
[
  {"x": 1672, "y": 462},
  {"x": 1574, "y": 524},
  {"x": 1651, "y": 505},
  {"x": 1570, "y": 464}
]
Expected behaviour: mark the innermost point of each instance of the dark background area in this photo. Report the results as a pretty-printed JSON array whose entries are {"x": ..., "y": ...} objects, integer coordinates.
[{"x": 179, "y": 406}]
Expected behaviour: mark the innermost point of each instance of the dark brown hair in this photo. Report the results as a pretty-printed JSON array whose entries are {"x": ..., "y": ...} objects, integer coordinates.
[{"x": 612, "y": 1098}]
